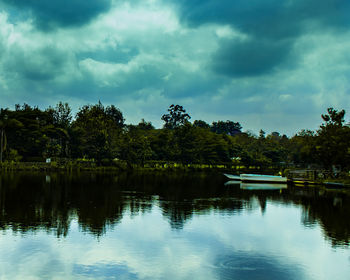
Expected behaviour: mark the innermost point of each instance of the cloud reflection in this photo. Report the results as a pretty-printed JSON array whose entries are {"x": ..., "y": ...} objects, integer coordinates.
[
  {"x": 245, "y": 265},
  {"x": 105, "y": 270}
]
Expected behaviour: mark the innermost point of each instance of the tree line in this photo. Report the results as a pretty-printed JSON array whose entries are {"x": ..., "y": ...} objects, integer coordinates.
[{"x": 99, "y": 133}]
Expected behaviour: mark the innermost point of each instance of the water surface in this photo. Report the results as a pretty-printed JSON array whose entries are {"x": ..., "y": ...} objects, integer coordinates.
[{"x": 168, "y": 226}]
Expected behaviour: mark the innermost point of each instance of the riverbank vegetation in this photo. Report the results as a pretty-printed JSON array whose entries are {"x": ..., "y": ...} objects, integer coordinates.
[{"x": 98, "y": 137}]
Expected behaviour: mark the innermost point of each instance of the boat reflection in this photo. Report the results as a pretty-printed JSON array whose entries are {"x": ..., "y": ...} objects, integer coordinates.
[
  {"x": 262, "y": 186},
  {"x": 256, "y": 186},
  {"x": 232, "y": 182}
]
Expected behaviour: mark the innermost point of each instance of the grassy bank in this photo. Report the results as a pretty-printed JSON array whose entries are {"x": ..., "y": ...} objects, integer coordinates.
[{"x": 117, "y": 166}]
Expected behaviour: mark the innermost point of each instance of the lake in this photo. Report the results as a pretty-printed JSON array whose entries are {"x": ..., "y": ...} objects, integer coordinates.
[{"x": 168, "y": 226}]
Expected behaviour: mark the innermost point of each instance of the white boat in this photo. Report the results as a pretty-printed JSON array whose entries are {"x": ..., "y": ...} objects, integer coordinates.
[
  {"x": 233, "y": 177},
  {"x": 262, "y": 186},
  {"x": 262, "y": 178},
  {"x": 257, "y": 178}
]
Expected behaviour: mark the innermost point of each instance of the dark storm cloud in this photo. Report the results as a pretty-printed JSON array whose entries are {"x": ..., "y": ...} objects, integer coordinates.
[
  {"x": 272, "y": 28},
  {"x": 254, "y": 17},
  {"x": 269, "y": 18},
  {"x": 252, "y": 57},
  {"x": 59, "y": 13},
  {"x": 40, "y": 65}
]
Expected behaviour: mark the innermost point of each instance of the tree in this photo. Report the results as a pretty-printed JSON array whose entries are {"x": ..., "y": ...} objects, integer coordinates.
[
  {"x": 145, "y": 125},
  {"x": 209, "y": 147},
  {"x": 26, "y": 131},
  {"x": 302, "y": 148},
  {"x": 61, "y": 115},
  {"x": 333, "y": 118},
  {"x": 3, "y": 139},
  {"x": 95, "y": 129},
  {"x": 228, "y": 127},
  {"x": 59, "y": 132},
  {"x": 176, "y": 117},
  {"x": 261, "y": 134},
  {"x": 135, "y": 146},
  {"x": 162, "y": 144},
  {"x": 115, "y": 115},
  {"x": 201, "y": 124},
  {"x": 333, "y": 140}
]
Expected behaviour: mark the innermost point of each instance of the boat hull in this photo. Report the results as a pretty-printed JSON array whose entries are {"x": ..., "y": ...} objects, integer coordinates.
[
  {"x": 257, "y": 178},
  {"x": 233, "y": 177},
  {"x": 262, "y": 178}
]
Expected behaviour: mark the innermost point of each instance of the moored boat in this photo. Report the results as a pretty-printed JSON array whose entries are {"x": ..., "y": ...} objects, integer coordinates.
[
  {"x": 233, "y": 177},
  {"x": 257, "y": 178},
  {"x": 262, "y": 178}
]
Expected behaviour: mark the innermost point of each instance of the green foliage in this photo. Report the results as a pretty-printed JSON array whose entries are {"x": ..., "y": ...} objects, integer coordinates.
[
  {"x": 201, "y": 124},
  {"x": 333, "y": 118},
  {"x": 25, "y": 130},
  {"x": 162, "y": 144},
  {"x": 228, "y": 127},
  {"x": 333, "y": 140},
  {"x": 261, "y": 134},
  {"x": 135, "y": 147},
  {"x": 94, "y": 130},
  {"x": 14, "y": 156},
  {"x": 98, "y": 134},
  {"x": 145, "y": 125},
  {"x": 303, "y": 148},
  {"x": 61, "y": 115},
  {"x": 177, "y": 117}
]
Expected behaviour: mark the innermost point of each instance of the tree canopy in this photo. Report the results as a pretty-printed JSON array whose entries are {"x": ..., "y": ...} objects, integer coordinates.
[
  {"x": 176, "y": 117},
  {"x": 99, "y": 133}
]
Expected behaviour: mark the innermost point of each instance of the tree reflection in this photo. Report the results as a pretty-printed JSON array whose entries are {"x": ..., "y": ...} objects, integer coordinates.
[{"x": 31, "y": 202}]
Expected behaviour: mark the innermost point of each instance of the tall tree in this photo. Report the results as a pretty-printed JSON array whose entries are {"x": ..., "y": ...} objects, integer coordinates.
[
  {"x": 115, "y": 115},
  {"x": 333, "y": 140},
  {"x": 59, "y": 132},
  {"x": 95, "y": 130},
  {"x": 333, "y": 118},
  {"x": 62, "y": 115},
  {"x": 176, "y": 117}
]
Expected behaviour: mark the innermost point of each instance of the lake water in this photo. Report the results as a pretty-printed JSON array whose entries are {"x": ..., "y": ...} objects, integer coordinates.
[{"x": 168, "y": 226}]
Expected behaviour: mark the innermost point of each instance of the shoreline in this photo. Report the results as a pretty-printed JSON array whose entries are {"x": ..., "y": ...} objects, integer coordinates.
[{"x": 117, "y": 167}]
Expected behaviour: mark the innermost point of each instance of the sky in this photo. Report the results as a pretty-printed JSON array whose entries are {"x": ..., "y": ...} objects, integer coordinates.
[{"x": 272, "y": 65}]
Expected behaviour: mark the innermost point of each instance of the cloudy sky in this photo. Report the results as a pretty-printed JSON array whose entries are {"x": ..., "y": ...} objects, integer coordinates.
[{"x": 272, "y": 64}]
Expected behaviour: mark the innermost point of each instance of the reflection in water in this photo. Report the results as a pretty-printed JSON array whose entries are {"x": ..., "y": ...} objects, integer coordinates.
[
  {"x": 104, "y": 270},
  {"x": 245, "y": 266},
  {"x": 262, "y": 186},
  {"x": 145, "y": 223},
  {"x": 29, "y": 202}
]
